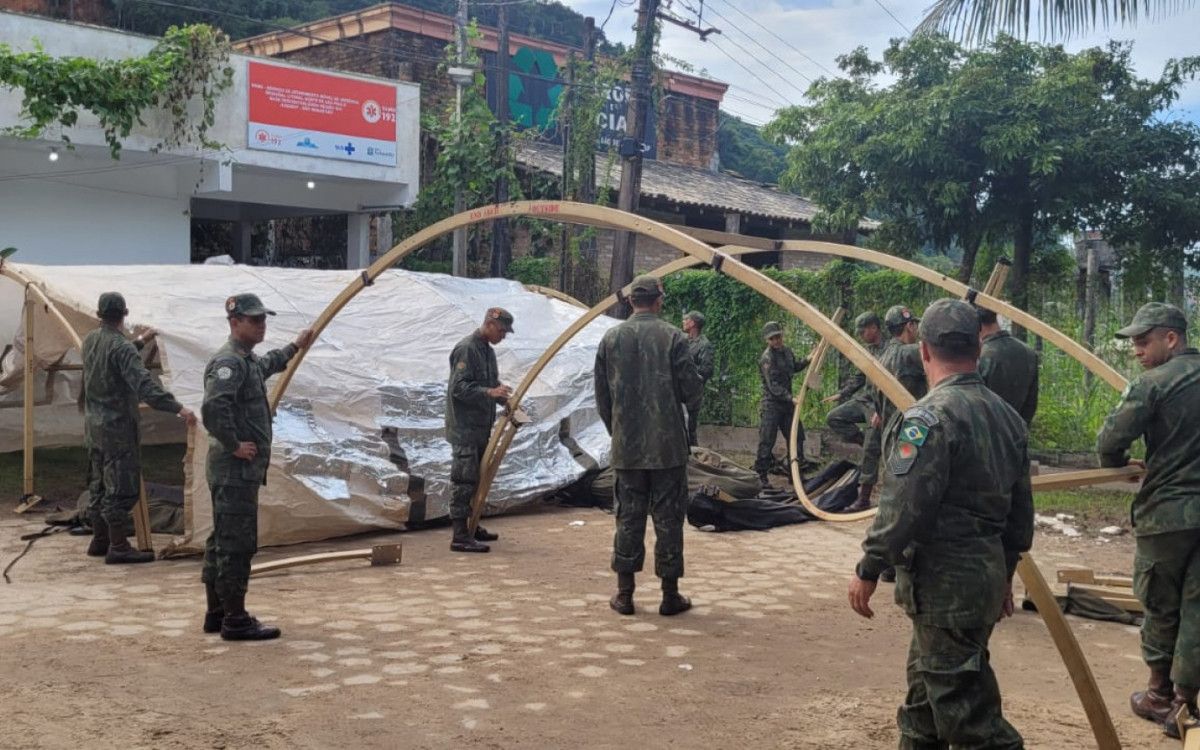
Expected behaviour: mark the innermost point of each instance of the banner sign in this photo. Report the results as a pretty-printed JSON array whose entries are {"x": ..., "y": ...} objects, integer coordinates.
[
  {"x": 534, "y": 90},
  {"x": 316, "y": 114}
]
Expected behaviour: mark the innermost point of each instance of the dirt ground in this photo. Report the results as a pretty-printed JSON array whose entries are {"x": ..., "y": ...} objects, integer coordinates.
[{"x": 515, "y": 649}]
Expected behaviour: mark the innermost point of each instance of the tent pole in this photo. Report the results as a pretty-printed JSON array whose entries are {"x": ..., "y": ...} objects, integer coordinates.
[{"x": 28, "y": 410}]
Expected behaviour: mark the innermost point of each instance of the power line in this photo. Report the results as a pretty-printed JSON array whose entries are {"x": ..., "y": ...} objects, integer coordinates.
[
  {"x": 786, "y": 43},
  {"x": 754, "y": 75},
  {"x": 893, "y": 15},
  {"x": 779, "y": 75}
]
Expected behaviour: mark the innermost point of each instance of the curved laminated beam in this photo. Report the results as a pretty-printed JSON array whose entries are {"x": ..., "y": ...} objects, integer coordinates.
[
  {"x": 814, "y": 372},
  {"x": 1097, "y": 366},
  {"x": 555, "y": 294},
  {"x": 6, "y": 269}
]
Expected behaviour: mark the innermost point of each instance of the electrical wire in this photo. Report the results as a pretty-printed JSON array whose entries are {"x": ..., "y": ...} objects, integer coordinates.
[
  {"x": 893, "y": 15},
  {"x": 785, "y": 42},
  {"x": 754, "y": 75},
  {"x": 771, "y": 68}
]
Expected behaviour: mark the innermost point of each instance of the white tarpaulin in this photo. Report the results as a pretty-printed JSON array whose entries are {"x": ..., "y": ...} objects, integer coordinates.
[{"x": 380, "y": 366}]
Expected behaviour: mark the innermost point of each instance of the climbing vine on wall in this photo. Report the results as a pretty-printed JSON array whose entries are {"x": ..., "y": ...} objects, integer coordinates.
[{"x": 189, "y": 64}]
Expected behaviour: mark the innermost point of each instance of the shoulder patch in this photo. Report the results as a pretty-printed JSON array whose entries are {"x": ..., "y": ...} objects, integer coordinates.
[
  {"x": 903, "y": 458},
  {"x": 922, "y": 415},
  {"x": 224, "y": 372}
]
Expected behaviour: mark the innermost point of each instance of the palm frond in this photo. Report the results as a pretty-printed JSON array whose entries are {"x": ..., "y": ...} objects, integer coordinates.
[{"x": 977, "y": 21}]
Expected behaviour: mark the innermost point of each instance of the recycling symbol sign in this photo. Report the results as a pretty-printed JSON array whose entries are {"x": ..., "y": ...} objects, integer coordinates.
[{"x": 533, "y": 92}]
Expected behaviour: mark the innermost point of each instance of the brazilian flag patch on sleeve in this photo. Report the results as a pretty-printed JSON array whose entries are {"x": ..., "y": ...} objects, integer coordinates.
[{"x": 914, "y": 432}]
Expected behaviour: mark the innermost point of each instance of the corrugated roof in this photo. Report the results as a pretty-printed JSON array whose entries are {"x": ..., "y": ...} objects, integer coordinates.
[{"x": 686, "y": 185}]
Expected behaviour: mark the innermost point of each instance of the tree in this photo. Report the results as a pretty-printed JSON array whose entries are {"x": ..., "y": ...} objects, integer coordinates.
[
  {"x": 978, "y": 20},
  {"x": 1007, "y": 142},
  {"x": 744, "y": 151}
]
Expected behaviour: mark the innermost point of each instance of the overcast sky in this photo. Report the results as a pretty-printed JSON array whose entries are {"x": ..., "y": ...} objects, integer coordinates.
[{"x": 765, "y": 71}]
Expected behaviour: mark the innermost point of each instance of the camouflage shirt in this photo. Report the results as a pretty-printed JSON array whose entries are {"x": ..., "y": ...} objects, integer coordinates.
[
  {"x": 776, "y": 368},
  {"x": 858, "y": 379},
  {"x": 114, "y": 382},
  {"x": 470, "y": 412},
  {"x": 903, "y": 361},
  {"x": 1010, "y": 368},
  {"x": 956, "y": 510},
  {"x": 1163, "y": 407},
  {"x": 702, "y": 356},
  {"x": 236, "y": 410},
  {"x": 643, "y": 373}
]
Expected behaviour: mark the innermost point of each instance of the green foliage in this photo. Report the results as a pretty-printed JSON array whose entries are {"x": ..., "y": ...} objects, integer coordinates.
[
  {"x": 189, "y": 63},
  {"x": 532, "y": 270},
  {"x": 1003, "y": 143},
  {"x": 744, "y": 151},
  {"x": 977, "y": 20},
  {"x": 545, "y": 19}
]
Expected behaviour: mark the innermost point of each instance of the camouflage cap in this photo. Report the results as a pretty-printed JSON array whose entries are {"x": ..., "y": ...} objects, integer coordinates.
[
  {"x": 501, "y": 316},
  {"x": 111, "y": 303},
  {"x": 1154, "y": 315},
  {"x": 898, "y": 315},
  {"x": 866, "y": 320},
  {"x": 951, "y": 324},
  {"x": 696, "y": 317},
  {"x": 772, "y": 329},
  {"x": 248, "y": 305},
  {"x": 645, "y": 286}
]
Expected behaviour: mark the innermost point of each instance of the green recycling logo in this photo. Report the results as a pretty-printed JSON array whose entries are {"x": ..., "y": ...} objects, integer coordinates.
[{"x": 534, "y": 92}]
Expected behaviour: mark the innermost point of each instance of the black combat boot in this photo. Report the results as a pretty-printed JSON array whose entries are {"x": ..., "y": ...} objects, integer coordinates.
[
  {"x": 863, "y": 502},
  {"x": 238, "y": 625},
  {"x": 1154, "y": 703},
  {"x": 483, "y": 535},
  {"x": 673, "y": 602},
  {"x": 120, "y": 552},
  {"x": 99, "y": 544},
  {"x": 1183, "y": 703},
  {"x": 462, "y": 541},
  {"x": 622, "y": 601},
  {"x": 214, "y": 615}
]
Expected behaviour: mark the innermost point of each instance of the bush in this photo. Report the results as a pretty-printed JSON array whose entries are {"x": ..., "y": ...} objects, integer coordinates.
[{"x": 531, "y": 270}]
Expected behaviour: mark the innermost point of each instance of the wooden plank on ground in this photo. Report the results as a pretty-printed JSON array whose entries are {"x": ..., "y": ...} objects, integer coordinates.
[
  {"x": 380, "y": 554},
  {"x": 1087, "y": 576},
  {"x": 1119, "y": 597}
]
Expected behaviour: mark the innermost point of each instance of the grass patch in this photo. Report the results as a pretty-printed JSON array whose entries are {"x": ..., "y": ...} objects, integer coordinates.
[
  {"x": 1091, "y": 507},
  {"x": 60, "y": 474}
]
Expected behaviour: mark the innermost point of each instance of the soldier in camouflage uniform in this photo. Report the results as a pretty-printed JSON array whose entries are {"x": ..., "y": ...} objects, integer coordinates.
[
  {"x": 114, "y": 382},
  {"x": 702, "y": 356},
  {"x": 1008, "y": 366},
  {"x": 776, "y": 368},
  {"x": 237, "y": 417},
  {"x": 472, "y": 395},
  {"x": 902, "y": 358},
  {"x": 854, "y": 401},
  {"x": 955, "y": 515},
  {"x": 1163, "y": 408},
  {"x": 644, "y": 374}
]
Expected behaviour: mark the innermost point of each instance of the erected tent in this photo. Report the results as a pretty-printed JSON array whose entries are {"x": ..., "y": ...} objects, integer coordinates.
[{"x": 380, "y": 366}]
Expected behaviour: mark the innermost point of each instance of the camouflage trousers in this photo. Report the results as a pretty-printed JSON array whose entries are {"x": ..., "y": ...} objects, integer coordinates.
[
  {"x": 872, "y": 449},
  {"x": 843, "y": 420},
  {"x": 233, "y": 541},
  {"x": 775, "y": 417},
  {"x": 114, "y": 483},
  {"x": 464, "y": 478},
  {"x": 661, "y": 494},
  {"x": 1166, "y": 579},
  {"x": 953, "y": 700}
]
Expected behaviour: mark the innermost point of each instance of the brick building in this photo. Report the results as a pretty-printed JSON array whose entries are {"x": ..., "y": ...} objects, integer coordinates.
[{"x": 680, "y": 185}]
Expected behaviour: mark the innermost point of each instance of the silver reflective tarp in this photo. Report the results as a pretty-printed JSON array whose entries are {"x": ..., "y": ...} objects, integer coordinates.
[{"x": 359, "y": 443}]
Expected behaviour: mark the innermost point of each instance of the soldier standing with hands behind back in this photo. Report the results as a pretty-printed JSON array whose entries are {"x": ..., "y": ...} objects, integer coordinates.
[
  {"x": 776, "y": 367},
  {"x": 644, "y": 374},
  {"x": 955, "y": 515},
  {"x": 1163, "y": 407},
  {"x": 702, "y": 356},
  {"x": 472, "y": 395},
  {"x": 237, "y": 417},
  {"x": 115, "y": 381}
]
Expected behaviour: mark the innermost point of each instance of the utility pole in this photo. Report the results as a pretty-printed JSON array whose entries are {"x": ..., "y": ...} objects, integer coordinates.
[
  {"x": 631, "y": 145},
  {"x": 501, "y": 239},
  {"x": 459, "y": 257},
  {"x": 587, "y": 272},
  {"x": 565, "y": 127}
]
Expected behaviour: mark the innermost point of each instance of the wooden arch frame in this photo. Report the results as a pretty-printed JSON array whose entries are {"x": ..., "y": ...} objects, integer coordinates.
[{"x": 698, "y": 252}]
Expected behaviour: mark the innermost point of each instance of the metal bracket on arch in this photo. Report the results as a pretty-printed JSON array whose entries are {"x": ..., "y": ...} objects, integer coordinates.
[
  {"x": 367, "y": 280},
  {"x": 718, "y": 260}
]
